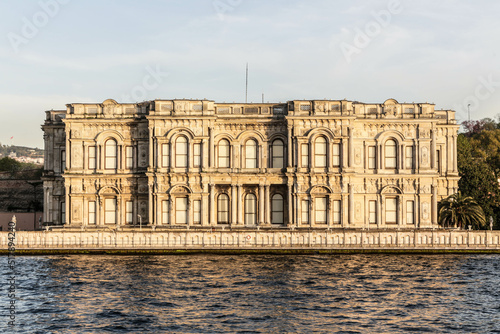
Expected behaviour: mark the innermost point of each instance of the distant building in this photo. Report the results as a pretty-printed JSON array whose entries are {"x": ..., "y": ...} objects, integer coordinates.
[{"x": 323, "y": 163}]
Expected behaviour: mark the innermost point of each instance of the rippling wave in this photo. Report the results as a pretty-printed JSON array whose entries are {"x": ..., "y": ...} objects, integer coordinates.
[{"x": 256, "y": 294}]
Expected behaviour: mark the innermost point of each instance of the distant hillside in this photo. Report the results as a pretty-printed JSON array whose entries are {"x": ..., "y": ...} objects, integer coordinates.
[{"x": 21, "y": 151}]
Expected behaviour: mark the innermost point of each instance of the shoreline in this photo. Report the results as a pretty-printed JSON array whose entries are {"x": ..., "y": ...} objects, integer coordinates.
[{"x": 294, "y": 251}]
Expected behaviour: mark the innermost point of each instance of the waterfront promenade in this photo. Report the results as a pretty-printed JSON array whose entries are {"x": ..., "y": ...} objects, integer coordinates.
[{"x": 252, "y": 239}]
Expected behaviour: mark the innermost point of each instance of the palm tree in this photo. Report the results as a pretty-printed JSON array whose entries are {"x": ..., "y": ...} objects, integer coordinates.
[{"x": 459, "y": 210}]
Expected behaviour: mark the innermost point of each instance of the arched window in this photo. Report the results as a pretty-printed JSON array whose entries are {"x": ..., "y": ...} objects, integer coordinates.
[
  {"x": 251, "y": 154},
  {"x": 278, "y": 156},
  {"x": 223, "y": 209},
  {"x": 390, "y": 154},
  {"x": 224, "y": 153},
  {"x": 110, "y": 149},
  {"x": 277, "y": 209},
  {"x": 320, "y": 149},
  {"x": 250, "y": 209},
  {"x": 181, "y": 152}
]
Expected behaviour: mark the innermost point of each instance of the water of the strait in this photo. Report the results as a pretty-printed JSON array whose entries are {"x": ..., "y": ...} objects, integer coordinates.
[{"x": 254, "y": 294}]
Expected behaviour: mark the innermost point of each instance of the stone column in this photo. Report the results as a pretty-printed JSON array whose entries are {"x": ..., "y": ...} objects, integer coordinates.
[
  {"x": 298, "y": 211},
  {"x": 67, "y": 205},
  {"x": 351, "y": 205},
  {"x": 312, "y": 212},
  {"x": 158, "y": 210},
  {"x": 205, "y": 210},
  {"x": 240, "y": 209},
  {"x": 289, "y": 146},
  {"x": 433, "y": 149},
  {"x": 212, "y": 205},
  {"x": 190, "y": 211},
  {"x": 119, "y": 210},
  {"x": 152, "y": 147},
  {"x": 233, "y": 204},
  {"x": 345, "y": 150},
  {"x": 330, "y": 210},
  {"x": 171, "y": 210},
  {"x": 267, "y": 204},
  {"x": 261, "y": 205},
  {"x": 211, "y": 148},
  {"x": 434, "y": 206},
  {"x": 99, "y": 218},
  {"x": 150, "y": 202},
  {"x": 351, "y": 148},
  {"x": 205, "y": 157},
  {"x": 289, "y": 201}
]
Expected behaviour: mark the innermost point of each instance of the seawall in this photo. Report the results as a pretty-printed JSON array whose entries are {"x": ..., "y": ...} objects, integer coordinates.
[{"x": 73, "y": 241}]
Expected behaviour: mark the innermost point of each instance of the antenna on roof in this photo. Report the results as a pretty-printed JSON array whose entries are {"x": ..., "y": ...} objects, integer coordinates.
[{"x": 246, "y": 86}]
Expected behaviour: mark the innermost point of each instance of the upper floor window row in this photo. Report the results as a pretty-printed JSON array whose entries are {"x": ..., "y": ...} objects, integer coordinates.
[
  {"x": 320, "y": 153},
  {"x": 250, "y": 154},
  {"x": 109, "y": 155}
]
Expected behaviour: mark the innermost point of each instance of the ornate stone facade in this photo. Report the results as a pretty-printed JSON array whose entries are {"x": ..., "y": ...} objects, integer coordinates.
[{"x": 199, "y": 163}]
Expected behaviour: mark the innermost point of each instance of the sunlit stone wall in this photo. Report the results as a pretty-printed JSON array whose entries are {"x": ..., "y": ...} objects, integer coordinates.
[
  {"x": 202, "y": 164},
  {"x": 327, "y": 239}
]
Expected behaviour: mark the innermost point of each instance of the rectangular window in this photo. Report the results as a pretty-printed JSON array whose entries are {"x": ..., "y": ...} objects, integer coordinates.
[
  {"x": 320, "y": 205},
  {"x": 129, "y": 213},
  {"x": 197, "y": 155},
  {"x": 305, "y": 212},
  {"x": 181, "y": 205},
  {"x": 251, "y": 154},
  {"x": 197, "y": 212},
  {"x": 110, "y": 210},
  {"x": 92, "y": 163},
  {"x": 391, "y": 210},
  {"x": 410, "y": 208},
  {"x": 129, "y": 157},
  {"x": 165, "y": 155},
  {"x": 391, "y": 154},
  {"x": 372, "y": 212},
  {"x": 63, "y": 213},
  {"x": 336, "y": 212},
  {"x": 278, "y": 154},
  {"x": 181, "y": 152},
  {"x": 91, "y": 213},
  {"x": 409, "y": 157},
  {"x": 164, "y": 212},
  {"x": 304, "y": 151},
  {"x": 336, "y": 155},
  {"x": 224, "y": 151},
  {"x": 63, "y": 161},
  {"x": 372, "y": 157}
]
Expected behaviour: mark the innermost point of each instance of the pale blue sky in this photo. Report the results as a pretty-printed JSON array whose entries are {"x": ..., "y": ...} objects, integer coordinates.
[{"x": 446, "y": 52}]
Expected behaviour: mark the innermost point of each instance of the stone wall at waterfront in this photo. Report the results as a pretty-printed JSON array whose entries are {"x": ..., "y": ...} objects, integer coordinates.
[{"x": 252, "y": 239}]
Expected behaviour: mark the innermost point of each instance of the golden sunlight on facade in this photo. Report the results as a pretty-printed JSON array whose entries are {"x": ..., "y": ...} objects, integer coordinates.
[{"x": 198, "y": 163}]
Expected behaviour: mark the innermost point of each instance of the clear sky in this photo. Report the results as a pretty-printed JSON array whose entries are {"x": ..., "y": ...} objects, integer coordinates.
[{"x": 54, "y": 52}]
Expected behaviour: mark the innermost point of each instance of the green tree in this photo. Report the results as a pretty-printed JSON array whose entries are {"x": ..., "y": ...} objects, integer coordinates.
[
  {"x": 10, "y": 165},
  {"x": 477, "y": 179},
  {"x": 461, "y": 211}
]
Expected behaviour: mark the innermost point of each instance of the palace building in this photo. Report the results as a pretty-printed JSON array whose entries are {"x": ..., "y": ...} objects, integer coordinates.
[{"x": 198, "y": 163}]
